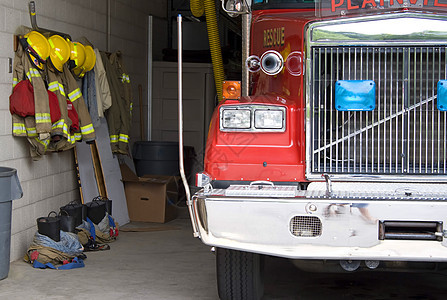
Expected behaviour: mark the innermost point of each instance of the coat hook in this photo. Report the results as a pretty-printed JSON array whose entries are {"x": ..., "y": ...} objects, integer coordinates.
[{"x": 32, "y": 14}]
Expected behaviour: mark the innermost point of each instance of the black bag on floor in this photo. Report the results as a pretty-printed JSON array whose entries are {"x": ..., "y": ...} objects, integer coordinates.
[
  {"x": 50, "y": 226},
  {"x": 96, "y": 210},
  {"x": 76, "y": 210},
  {"x": 67, "y": 221}
]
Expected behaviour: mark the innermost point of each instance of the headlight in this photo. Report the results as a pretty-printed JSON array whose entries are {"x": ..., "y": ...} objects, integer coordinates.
[
  {"x": 269, "y": 119},
  {"x": 253, "y": 118},
  {"x": 236, "y": 118}
]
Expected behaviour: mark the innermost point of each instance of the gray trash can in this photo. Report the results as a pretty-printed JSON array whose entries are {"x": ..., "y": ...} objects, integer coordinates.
[{"x": 10, "y": 189}]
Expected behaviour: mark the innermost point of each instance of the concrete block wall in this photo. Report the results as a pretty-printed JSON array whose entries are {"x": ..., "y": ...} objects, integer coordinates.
[{"x": 51, "y": 182}]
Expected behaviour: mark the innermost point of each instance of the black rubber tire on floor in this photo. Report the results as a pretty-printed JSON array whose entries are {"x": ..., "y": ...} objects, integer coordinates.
[{"x": 240, "y": 275}]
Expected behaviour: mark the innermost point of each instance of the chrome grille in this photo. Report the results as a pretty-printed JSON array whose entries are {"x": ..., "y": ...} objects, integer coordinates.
[
  {"x": 405, "y": 134},
  {"x": 305, "y": 226}
]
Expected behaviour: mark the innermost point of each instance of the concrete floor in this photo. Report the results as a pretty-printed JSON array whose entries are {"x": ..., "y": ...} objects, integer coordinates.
[
  {"x": 166, "y": 264},
  {"x": 171, "y": 264}
]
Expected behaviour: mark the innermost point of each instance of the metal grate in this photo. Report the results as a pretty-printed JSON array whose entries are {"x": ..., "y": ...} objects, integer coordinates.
[
  {"x": 305, "y": 226},
  {"x": 405, "y": 134}
]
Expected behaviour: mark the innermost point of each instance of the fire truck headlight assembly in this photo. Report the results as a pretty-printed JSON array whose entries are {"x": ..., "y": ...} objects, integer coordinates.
[
  {"x": 234, "y": 118},
  {"x": 272, "y": 62},
  {"x": 253, "y": 118},
  {"x": 269, "y": 119}
]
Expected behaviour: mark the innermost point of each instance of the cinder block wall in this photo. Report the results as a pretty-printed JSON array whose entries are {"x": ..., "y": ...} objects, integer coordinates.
[{"x": 51, "y": 182}]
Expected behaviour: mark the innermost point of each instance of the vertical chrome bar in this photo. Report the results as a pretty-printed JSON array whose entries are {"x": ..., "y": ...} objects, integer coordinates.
[
  {"x": 336, "y": 112},
  {"x": 421, "y": 110},
  {"x": 354, "y": 148},
  {"x": 438, "y": 163},
  {"x": 325, "y": 106},
  {"x": 360, "y": 117},
  {"x": 331, "y": 111},
  {"x": 414, "y": 110},
  {"x": 313, "y": 109},
  {"x": 390, "y": 139},
  {"x": 366, "y": 149},
  {"x": 398, "y": 99},
  {"x": 384, "y": 110},
  {"x": 349, "y": 114},
  {"x": 426, "y": 109},
  {"x": 445, "y": 116},
  {"x": 379, "y": 100},
  {"x": 343, "y": 114},
  {"x": 180, "y": 127},
  {"x": 406, "y": 116},
  {"x": 373, "y": 50},
  {"x": 433, "y": 112},
  {"x": 318, "y": 132}
]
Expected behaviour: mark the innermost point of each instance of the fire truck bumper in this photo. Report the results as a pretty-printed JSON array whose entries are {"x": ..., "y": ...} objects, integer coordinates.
[{"x": 399, "y": 226}]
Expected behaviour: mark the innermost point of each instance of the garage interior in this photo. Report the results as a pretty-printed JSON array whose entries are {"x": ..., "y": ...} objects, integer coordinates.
[
  {"x": 144, "y": 34},
  {"x": 155, "y": 255}
]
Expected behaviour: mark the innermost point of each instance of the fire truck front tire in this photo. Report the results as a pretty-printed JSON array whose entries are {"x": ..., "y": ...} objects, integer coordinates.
[{"x": 240, "y": 275}]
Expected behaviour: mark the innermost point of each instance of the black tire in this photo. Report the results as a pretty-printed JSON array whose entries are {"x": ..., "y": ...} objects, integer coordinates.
[{"x": 240, "y": 275}]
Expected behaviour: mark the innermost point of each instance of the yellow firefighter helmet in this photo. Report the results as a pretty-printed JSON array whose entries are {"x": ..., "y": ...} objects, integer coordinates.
[
  {"x": 60, "y": 51},
  {"x": 37, "y": 47},
  {"x": 77, "y": 56},
  {"x": 89, "y": 63}
]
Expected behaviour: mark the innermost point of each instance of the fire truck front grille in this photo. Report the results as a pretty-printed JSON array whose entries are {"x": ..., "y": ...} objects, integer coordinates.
[
  {"x": 404, "y": 134},
  {"x": 305, "y": 226}
]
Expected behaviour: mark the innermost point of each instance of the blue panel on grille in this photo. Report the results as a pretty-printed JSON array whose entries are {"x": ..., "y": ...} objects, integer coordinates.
[
  {"x": 355, "y": 95},
  {"x": 442, "y": 95}
]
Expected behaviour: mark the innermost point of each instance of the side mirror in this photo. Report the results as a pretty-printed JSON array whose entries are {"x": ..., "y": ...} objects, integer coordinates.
[{"x": 235, "y": 7}]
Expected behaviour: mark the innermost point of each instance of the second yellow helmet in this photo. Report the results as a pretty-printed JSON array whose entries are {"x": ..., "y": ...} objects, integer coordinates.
[{"x": 59, "y": 51}]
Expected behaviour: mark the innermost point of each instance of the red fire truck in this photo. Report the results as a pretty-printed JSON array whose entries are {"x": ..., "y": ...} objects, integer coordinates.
[{"x": 338, "y": 152}]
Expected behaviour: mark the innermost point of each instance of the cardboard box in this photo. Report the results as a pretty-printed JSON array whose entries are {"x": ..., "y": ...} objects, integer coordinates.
[{"x": 150, "y": 198}]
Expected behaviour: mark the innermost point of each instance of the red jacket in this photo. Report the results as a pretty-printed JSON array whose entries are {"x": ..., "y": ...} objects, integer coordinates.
[
  {"x": 73, "y": 115},
  {"x": 21, "y": 101}
]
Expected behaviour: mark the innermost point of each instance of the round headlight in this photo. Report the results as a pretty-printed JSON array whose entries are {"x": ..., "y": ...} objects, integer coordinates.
[{"x": 271, "y": 62}]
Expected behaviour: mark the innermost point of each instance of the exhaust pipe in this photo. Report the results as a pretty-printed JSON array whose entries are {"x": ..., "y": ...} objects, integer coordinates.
[{"x": 180, "y": 127}]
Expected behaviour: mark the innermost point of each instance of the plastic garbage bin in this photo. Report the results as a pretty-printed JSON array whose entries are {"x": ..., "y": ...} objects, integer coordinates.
[
  {"x": 10, "y": 189},
  {"x": 161, "y": 158},
  {"x": 156, "y": 158}
]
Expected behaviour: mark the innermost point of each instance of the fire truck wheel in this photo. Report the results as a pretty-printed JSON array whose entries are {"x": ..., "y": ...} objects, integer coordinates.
[{"x": 240, "y": 275}]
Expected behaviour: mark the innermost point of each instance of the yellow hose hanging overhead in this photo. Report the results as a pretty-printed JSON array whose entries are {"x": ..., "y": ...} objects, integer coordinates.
[{"x": 197, "y": 9}]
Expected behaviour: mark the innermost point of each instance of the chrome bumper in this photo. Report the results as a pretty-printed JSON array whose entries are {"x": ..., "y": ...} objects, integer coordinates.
[{"x": 346, "y": 224}]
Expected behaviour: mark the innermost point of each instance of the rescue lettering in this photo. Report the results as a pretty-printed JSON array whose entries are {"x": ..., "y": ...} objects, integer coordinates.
[
  {"x": 274, "y": 37},
  {"x": 352, "y": 4}
]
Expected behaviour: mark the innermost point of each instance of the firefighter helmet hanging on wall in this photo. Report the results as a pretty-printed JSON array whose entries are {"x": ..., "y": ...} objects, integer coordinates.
[
  {"x": 77, "y": 56},
  {"x": 37, "y": 48},
  {"x": 59, "y": 52},
  {"x": 89, "y": 63}
]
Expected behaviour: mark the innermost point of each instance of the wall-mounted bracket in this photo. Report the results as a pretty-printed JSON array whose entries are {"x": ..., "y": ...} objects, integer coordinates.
[{"x": 32, "y": 14}]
